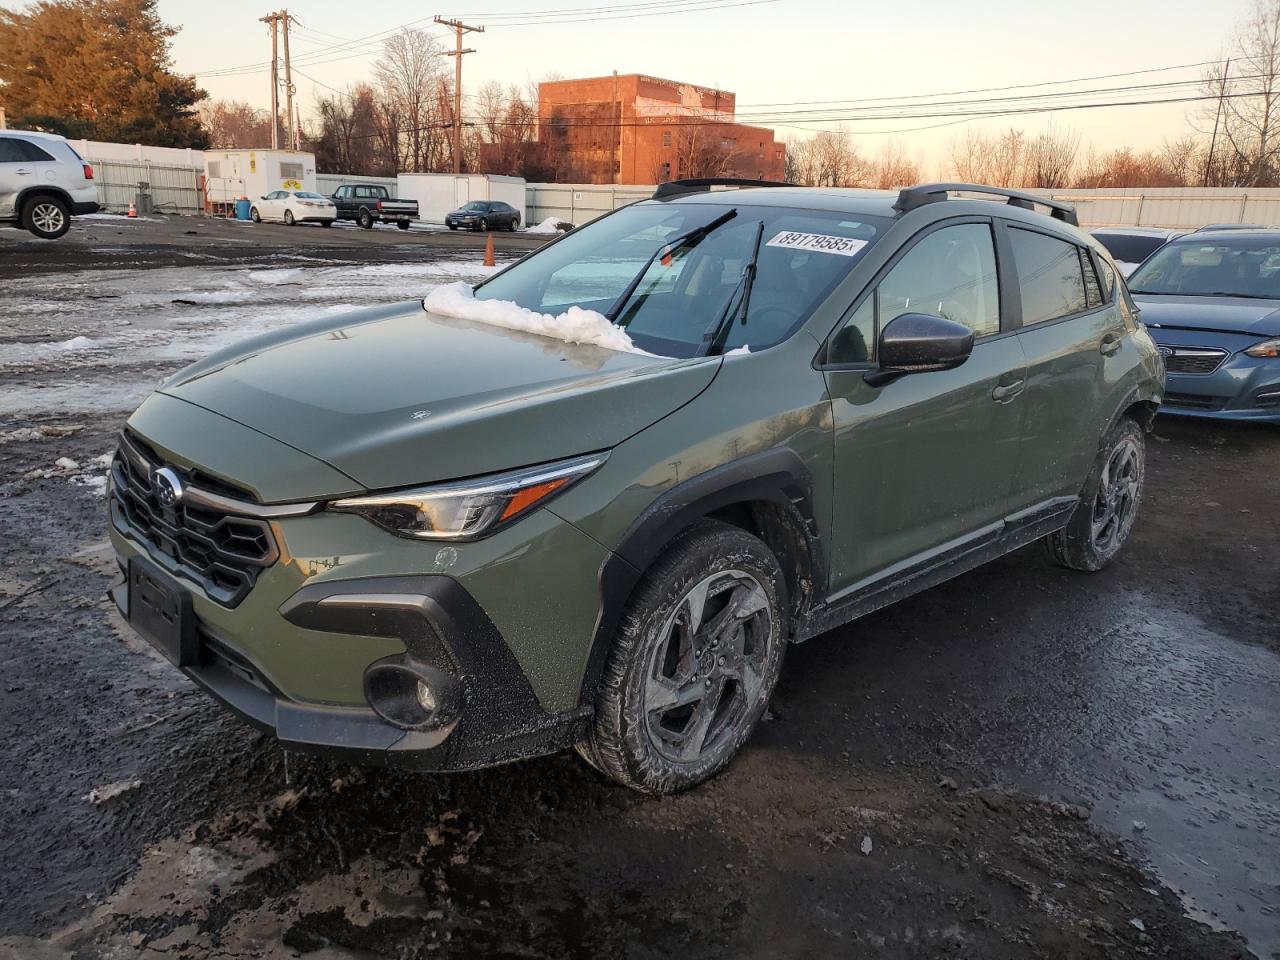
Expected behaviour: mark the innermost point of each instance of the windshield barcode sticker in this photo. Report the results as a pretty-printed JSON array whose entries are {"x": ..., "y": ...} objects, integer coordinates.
[{"x": 818, "y": 242}]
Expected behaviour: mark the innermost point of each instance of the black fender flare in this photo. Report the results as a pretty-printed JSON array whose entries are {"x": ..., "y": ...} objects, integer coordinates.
[{"x": 776, "y": 476}]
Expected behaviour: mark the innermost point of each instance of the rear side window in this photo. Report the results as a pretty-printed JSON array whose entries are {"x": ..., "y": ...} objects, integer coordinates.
[
  {"x": 1050, "y": 275},
  {"x": 13, "y": 150}
]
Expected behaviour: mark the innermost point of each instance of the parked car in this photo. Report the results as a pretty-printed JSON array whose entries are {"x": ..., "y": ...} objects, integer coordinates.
[
  {"x": 370, "y": 203},
  {"x": 430, "y": 540},
  {"x": 1212, "y": 302},
  {"x": 294, "y": 206},
  {"x": 484, "y": 215},
  {"x": 43, "y": 183},
  {"x": 1129, "y": 246},
  {"x": 1209, "y": 227}
]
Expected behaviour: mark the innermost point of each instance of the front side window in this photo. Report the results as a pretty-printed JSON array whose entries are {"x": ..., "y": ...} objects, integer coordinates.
[
  {"x": 1224, "y": 268},
  {"x": 1049, "y": 272},
  {"x": 803, "y": 254},
  {"x": 951, "y": 273}
]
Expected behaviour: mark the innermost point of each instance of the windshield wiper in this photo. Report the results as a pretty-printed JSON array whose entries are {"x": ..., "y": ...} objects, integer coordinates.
[
  {"x": 668, "y": 247},
  {"x": 717, "y": 333}
]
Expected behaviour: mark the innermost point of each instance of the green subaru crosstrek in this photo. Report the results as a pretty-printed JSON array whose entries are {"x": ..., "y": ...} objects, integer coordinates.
[{"x": 590, "y": 502}]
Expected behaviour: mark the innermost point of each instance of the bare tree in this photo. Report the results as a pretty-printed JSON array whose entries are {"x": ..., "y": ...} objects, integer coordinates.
[
  {"x": 972, "y": 156},
  {"x": 235, "y": 123},
  {"x": 1050, "y": 159},
  {"x": 893, "y": 167},
  {"x": 410, "y": 74},
  {"x": 701, "y": 151},
  {"x": 827, "y": 159},
  {"x": 1245, "y": 106}
]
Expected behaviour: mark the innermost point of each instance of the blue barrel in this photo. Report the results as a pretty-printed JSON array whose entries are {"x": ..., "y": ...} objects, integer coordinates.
[{"x": 242, "y": 208}]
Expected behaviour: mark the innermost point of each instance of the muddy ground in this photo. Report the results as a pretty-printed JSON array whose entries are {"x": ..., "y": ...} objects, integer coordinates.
[{"x": 1025, "y": 762}]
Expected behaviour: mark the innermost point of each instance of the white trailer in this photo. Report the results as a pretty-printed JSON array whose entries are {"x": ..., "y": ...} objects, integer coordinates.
[
  {"x": 439, "y": 193},
  {"x": 233, "y": 174}
]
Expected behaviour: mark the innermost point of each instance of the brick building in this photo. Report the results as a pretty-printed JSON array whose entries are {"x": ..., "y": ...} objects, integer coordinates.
[{"x": 638, "y": 129}]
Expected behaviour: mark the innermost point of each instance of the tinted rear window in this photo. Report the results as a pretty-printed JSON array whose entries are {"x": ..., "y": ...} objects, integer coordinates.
[{"x": 1128, "y": 248}]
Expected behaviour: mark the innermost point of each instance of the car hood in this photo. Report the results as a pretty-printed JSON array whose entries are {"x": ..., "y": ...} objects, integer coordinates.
[
  {"x": 394, "y": 396},
  {"x": 1227, "y": 314}
]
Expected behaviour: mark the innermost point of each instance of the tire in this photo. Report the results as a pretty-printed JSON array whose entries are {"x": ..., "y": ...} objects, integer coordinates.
[
  {"x": 1100, "y": 523},
  {"x": 483, "y": 226},
  {"x": 515, "y": 222},
  {"x": 254, "y": 215},
  {"x": 46, "y": 216},
  {"x": 453, "y": 226},
  {"x": 326, "y": 223},
  {"x": 665, "y": 749},
  {"x": 402, "y": 224},
  {"x": 365, "y": 220},
  {"x": 288, "y": 219}
]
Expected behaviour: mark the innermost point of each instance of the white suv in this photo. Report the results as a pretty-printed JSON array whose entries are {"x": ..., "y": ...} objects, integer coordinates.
[{"x": 43, "y": 181}]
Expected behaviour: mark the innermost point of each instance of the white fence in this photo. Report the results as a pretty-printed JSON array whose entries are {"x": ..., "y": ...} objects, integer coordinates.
[
  {"x": 578, "y": 202},
  {"x": 327, "y": 183},
  {"x": 172, "y": 189},
  {"x": 1172, "y": 207}
]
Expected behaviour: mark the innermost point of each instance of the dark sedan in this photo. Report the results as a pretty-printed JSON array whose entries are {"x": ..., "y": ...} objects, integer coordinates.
[
  {"x": 1212, "y": 304},
  {"x": 484, "y": 215}
]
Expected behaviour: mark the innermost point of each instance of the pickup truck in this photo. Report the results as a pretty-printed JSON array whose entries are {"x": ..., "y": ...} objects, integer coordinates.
[{"x": 370, "y": 203}]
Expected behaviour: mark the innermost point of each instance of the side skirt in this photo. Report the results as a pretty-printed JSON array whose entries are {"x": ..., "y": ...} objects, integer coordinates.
[{"x": 937, "y": 566}]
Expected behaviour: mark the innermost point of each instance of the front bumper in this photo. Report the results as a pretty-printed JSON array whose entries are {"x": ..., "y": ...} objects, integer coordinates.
[
  {"x": 495, "y": 717},
  {"x": 1240, "y": 388}
]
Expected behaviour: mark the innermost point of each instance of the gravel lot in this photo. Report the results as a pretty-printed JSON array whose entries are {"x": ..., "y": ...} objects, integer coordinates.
[{"x": 1025, "y": 762}]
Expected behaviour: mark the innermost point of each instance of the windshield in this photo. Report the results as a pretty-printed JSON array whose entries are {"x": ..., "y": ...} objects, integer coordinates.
[
  {"x": 1230, "y": 267},
  {"x": 476, "y": 205},
  {"x": 803, "y": 254}
]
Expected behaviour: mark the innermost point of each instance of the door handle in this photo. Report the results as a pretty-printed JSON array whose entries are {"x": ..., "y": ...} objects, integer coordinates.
[
  {"x": 1004, "y": 392},
  {"x": 24, "y": 173},
  {"x": 1109, "y": 345}
]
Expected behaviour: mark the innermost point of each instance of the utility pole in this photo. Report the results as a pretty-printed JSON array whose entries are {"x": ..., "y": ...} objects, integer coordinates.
[
  {"x": 1217, "y": 118},
  {"x": 459, "y": 29},
  {"x": 272, "y": 19},
  {"x": 288, "y": 78}
]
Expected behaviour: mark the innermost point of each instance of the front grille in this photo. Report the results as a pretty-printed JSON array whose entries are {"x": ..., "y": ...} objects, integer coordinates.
[
  {"x": 1194, "y": 359},
  {"x": 1194, "y": 401},
  {"x": 222, "y": 552}
]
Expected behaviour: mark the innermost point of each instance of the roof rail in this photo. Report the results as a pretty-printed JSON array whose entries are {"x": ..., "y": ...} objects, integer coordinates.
[
  {"x": 912, "y": 197},
  {"x": 680, "y": 188}
]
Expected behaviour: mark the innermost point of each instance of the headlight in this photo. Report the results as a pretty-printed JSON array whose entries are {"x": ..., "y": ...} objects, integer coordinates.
[
  {"x": 1267, "y": 349},
  {"x": 470, "y": 509}
]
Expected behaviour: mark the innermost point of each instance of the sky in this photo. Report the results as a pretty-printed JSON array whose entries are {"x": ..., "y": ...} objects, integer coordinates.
[{"x": 785, "y": 51}]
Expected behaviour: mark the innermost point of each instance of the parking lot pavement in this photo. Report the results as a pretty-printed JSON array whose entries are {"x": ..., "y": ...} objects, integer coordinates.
[
  {"x": 1024, "y": 762},
  {"x": 109, "y": 242}
]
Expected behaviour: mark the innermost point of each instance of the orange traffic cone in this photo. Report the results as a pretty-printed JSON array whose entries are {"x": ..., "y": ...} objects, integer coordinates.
[
  {"x": 133, "y": 211},
  {"x": 488, "y": 251}
]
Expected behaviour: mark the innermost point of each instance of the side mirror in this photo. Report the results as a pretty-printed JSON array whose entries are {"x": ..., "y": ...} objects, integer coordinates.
[
  {"x": 263, "y": 197},
  {"x": 919, "y": 343}
]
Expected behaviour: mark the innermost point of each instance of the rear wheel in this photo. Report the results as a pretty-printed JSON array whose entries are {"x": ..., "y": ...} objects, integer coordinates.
[
  {"x": 365, "y": 219},
  {"x": 515, "y": 222},
  {"x": 288, "y": 218},
  {"x": 47, "y": 217},
  {"x": 483, "y": 225},
  {"x": 1100, "y": 523},
  {"x": 326, "y": 223},
  {"x": 694, "y": 663},
  {"x": 402, "y": 224}
]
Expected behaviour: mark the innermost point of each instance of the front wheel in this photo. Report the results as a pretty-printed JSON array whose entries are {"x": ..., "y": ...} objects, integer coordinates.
[
  {"x": 255, "y": 216},
  {"x": 46, "y": 217},
  {"x": 695, "y": 660},
  {"x": 1100, "y": 523},
  {"x": 483, "y": 226},
  {"x": 288, "y": 218}
]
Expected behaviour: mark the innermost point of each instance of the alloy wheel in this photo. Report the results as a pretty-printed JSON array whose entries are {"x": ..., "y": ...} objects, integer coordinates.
[
  {"x": 47, "y": 217},
  {"x": 1117, "y": 497},
  {"x": 707, "y": 670}
]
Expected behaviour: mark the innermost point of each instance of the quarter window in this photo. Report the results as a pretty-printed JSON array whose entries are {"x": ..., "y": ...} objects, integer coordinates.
[
  {"x": 1050, "y": 274},
  {"x": 1092, "y": 289},
  {"x": 1108, "y": 280},
  {"x": 951, "y": 273}
]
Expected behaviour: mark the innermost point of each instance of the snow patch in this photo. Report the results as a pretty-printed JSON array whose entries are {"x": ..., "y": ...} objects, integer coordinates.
[
  {"x": 550, "y": 225},
  {"x": 94, "y": 483},
  {"x": 573, "y": 326},
  {"x": 741, "y": 351},
  {"x": 272, "y": 278},
  {"x": 75, "y": 343}
]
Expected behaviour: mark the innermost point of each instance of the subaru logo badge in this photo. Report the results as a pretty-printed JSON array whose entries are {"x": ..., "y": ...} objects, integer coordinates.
[
  {"x": 168, "y": 487},
  {"x": 1166, "y": 352}
]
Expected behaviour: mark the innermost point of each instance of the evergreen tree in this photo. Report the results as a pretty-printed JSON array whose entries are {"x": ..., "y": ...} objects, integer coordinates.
[{"x": 98, "y": 69}]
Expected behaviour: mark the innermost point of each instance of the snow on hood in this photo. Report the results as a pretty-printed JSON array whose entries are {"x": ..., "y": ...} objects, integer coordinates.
[{"x": 575, "y": 325}]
